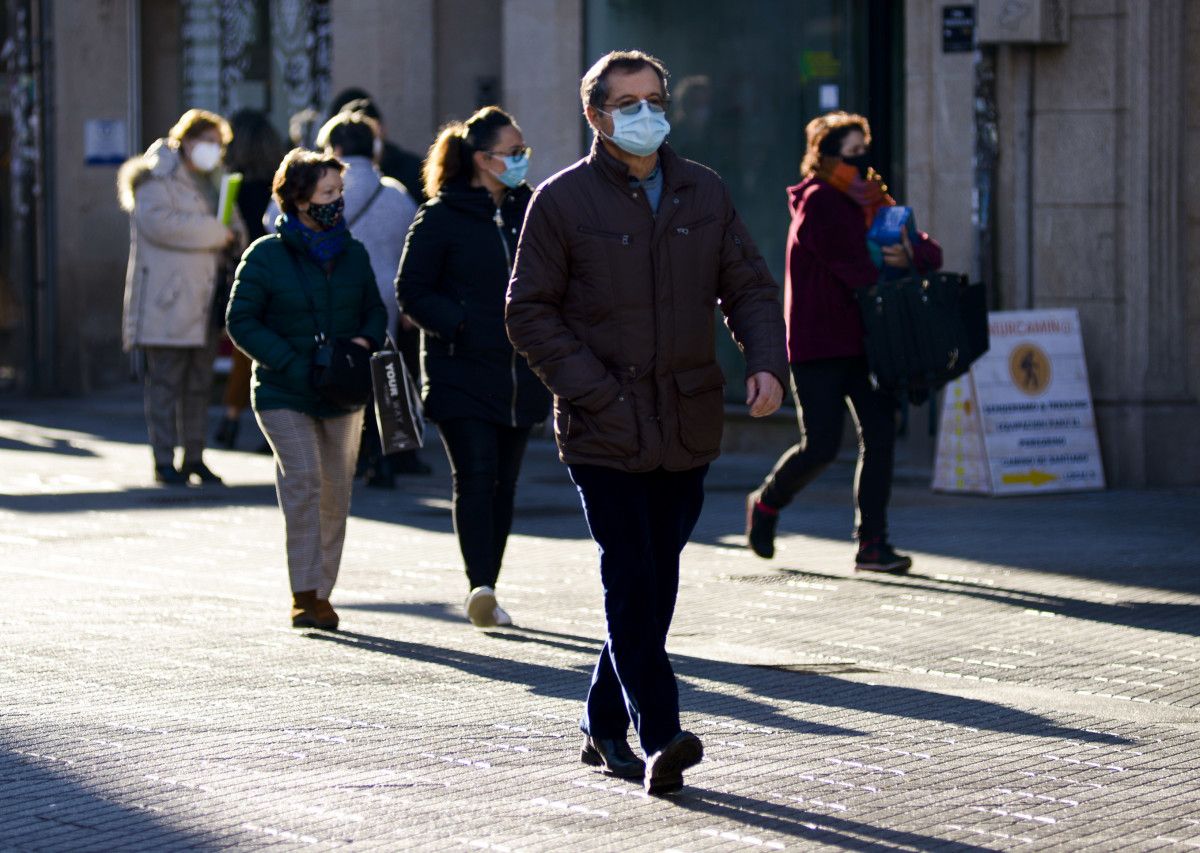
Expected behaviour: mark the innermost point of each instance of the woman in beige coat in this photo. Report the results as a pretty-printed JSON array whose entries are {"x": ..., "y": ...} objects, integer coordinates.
[{"x": 177, "y": 247}]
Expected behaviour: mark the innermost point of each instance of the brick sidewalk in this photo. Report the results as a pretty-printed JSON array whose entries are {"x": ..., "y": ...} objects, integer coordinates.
[{"x": 1035, "y": 681}]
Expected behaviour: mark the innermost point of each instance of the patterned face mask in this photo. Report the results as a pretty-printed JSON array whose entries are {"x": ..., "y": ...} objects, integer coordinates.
[{"x": 327, "y": 215}]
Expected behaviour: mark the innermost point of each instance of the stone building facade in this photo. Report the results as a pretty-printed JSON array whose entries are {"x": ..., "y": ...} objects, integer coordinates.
[{"x": 1096, "y": 206}]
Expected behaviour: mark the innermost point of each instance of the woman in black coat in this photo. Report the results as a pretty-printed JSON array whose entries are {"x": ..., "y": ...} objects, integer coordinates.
[{"x": 452, "y": 280}]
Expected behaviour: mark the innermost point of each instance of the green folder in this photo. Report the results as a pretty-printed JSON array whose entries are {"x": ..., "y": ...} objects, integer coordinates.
[{"x": 231, "y": 184}]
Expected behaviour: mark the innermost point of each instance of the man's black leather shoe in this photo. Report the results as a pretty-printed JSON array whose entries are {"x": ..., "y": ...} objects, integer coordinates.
[
  {"x": 664, "y": 769},
  {"x": 613, "y": 756}
]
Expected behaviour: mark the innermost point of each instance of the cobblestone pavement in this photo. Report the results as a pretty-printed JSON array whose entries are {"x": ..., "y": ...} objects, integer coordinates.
[{"x": 1035, "y": 681}]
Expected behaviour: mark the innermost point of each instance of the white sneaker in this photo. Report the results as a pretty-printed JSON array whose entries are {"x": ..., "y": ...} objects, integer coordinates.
[
  {"x": 501, "y": 616},
  {"x": 481, "y": 607}
]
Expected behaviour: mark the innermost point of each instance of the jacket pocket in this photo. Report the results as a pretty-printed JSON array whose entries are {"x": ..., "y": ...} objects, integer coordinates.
[
  {"x": 611, "y": 433},
  {"x": 701, "y": 408}
]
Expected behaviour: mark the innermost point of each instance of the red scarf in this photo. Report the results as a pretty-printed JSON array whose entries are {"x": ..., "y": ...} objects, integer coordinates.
[{"x": 870, "y": 193}]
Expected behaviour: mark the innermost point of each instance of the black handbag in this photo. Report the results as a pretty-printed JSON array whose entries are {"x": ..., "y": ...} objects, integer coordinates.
[
  {"x": 341, "y": 372},
  {"x": 341, "y": 369},
  {"x": 923, "y": 330},
  {"x": 398, "y": 410}
]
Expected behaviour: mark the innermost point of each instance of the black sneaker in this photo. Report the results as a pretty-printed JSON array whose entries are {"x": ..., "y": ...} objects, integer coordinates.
[
  {"x": 168, "y": 475},
  {"x": 760, "y": 526},
  {"x": 201, "y": 472},
  {"x": 876, "y": 555}
]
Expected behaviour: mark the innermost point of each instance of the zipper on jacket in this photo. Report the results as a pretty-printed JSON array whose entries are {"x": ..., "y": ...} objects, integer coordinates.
[
  {"x": 684, "y": 230},
  {"x": 625, "y": 239},
  {"x": 499, "y": 220}
]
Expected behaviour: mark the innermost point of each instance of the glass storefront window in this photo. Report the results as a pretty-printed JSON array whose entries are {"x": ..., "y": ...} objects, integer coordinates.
[{"x": 746, "y": 78}]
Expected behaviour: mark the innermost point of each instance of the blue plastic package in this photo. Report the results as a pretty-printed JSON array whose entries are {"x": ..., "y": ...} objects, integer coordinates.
[
  {"x": 889, "y": 223},
  {"x": 885, "y": 230}
]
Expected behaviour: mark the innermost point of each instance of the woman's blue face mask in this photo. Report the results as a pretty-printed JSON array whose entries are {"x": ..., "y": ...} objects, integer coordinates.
[{"x": 515, "y": 167}]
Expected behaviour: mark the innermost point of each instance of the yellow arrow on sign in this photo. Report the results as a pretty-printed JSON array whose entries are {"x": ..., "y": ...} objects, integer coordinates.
[{"x": 1033, "y": 477}]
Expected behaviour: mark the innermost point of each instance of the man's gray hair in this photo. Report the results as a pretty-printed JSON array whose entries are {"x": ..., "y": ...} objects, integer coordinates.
[{"x": 593, "y": 89}]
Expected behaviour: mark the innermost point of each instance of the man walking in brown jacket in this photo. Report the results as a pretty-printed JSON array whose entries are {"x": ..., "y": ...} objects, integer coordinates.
[{"x": 622, "y": 258}]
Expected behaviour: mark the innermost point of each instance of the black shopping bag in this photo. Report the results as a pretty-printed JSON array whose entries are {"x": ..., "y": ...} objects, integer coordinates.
[
  {"x": 398, "y": 409},
  {"x": 923, "y": 330}
]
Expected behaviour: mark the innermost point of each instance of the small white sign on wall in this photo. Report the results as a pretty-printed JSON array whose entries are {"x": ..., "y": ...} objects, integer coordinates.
[
  {"x": 105, "y": 142},
  {"x": 1021, "y": 421}
]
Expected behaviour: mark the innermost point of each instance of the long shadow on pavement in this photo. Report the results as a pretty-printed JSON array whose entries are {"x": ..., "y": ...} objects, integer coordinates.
[
  {"x": 818, "y": 685},
  {"x": 148, "y": 497},
  {"x": 812, "y": 685},
  {"x": 45, "y": 810},
  {"x": 822, "y": 829},
  {"x": 61, "y": 446},
  {"x": 570, "y": 682},
  {"x": 1146, "y": 615}
]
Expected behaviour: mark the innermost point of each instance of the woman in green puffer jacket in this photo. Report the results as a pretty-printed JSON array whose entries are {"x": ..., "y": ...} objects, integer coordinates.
[{"x": 271, "y": 318}]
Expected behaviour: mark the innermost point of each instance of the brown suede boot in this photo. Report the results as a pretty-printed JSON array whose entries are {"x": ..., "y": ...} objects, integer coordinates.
[
  {"x": 327, "y": 618},
  {"x": 304, "y": 609}
]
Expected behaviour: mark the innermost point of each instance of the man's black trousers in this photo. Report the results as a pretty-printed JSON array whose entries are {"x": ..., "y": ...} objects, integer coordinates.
[{"x": 640, "y": 523}]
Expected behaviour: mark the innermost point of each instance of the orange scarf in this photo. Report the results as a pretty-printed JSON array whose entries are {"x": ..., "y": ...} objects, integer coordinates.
[{"x": 869, "y": 193}]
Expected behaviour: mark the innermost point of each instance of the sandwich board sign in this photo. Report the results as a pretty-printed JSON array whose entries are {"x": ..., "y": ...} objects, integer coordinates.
[{"x": 1021, "y": 420}]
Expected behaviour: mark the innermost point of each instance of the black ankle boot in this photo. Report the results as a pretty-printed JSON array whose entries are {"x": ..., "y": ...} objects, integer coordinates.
[
  {"x": 201, "y": 472},
  {"x": 169, "y": 475},
  {"x": 760, "y": 526}
]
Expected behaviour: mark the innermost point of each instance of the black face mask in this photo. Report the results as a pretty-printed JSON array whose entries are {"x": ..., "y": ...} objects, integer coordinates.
[
  {"x": 327, "y": 215},
  {"x": 862, "y": 162}
]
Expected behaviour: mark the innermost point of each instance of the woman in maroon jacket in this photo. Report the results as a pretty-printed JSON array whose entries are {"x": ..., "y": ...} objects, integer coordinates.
[{"x": 827, "y": 259}]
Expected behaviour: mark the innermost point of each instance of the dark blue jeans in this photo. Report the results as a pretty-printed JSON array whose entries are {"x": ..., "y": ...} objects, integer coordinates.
[{"x": 640, "y": 523}]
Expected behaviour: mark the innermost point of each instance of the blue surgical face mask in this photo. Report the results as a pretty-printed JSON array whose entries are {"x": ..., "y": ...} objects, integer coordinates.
[
  {"x": 642, "y": 133},
  {"x": 514, "y": 170}
]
